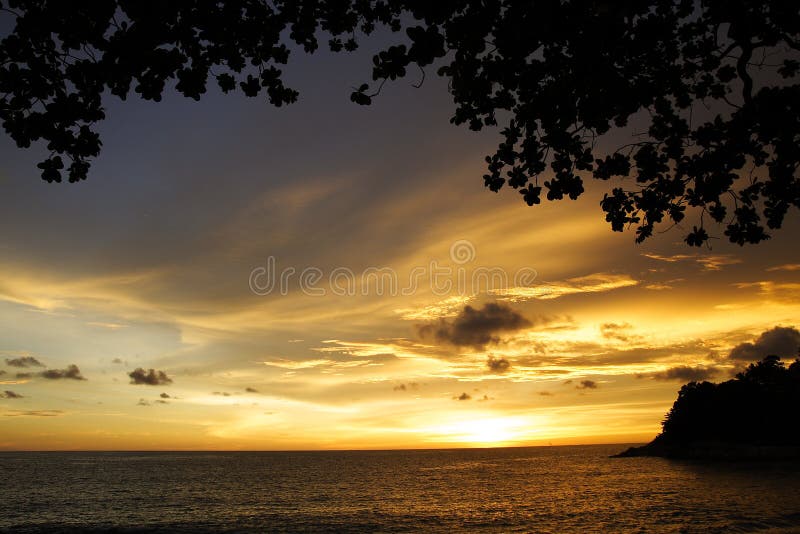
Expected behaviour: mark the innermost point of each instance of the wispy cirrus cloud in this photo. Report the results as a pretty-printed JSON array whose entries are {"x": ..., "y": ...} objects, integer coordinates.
[
  {"x": 616, "y": 331},
  {"x": 109, "y": 326},
  {"x": 593, "y": 283},
  {"x": 707, "y": 262},
  {"x": 381, "y": 348},
  {"x": 448, "y": 307},
  {"x": 791, "y": 267},
  {"x": 296, "y": 365},
  {"x": 784, "y": 292},
  {"x": 33, "y": 413}
]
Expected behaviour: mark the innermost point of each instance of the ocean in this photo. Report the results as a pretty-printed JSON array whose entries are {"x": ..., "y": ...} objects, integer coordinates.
[{"x": 532, "y": 489}]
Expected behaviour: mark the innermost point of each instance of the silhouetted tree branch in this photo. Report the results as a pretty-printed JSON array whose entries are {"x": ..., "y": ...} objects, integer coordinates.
[{"x": 559, "y": 75}]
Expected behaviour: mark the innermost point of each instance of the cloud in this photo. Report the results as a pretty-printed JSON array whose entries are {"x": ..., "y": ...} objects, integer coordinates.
[
  {"x": 545, "y": 394},
  {"x": 110, "y": 326},
  {"x": 448, "y": 307},
  {"x": 221, "y": 393},
  {"x": 788, "y": 292},
  {"x": 615, "y": 331},
  {"x": 251, "y": 390},
  {"x": 385, "y": 350},
  {"x": 2, "y": 372},
  {"x": 463, "y": 397},
  {"x": 587, "y": 384},
  {"x": 404, "y": 387},
  {"x": 33, "y": 413},
  {"x": 10, "y": 395},
  {"x": 781, "y": 341},
  {"x": 323, "y": 363},
  {"x": 593, "y": 283},
  {"x": 71, "y": 372},
  {"x": 707, "y": 262},
  {"x": 24, "y": 361},
  {"x": 144, "y": 402},
  {"x": 474, "y": 327},
  {"x": 498, "y": 365},
  {"x": 118, "y": 360},
  {"x": 785, "y": 267},
  {"x": 716, "y": 263},
  {"x": 658, "y": 287},
  {"x": 24, "y": 376},
  {"x": 165, "y": 396},
  {"x": 684, "y": 373},
  {"x": 150, "y": 377}
]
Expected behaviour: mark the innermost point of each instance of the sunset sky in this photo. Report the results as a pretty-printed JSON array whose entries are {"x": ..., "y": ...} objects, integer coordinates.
[{"x": 149, "y": 264}]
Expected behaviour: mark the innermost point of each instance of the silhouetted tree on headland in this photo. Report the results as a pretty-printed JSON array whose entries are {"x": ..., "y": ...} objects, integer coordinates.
[
  {"x": 760, "y": 406},
  {"x": 558, "y": 75}
]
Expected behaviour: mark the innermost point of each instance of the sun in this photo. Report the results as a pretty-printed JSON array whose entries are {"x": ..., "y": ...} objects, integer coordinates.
[{"x": 484, "y": 431}]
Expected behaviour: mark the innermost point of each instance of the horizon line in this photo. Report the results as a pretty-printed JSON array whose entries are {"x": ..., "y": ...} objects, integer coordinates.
[{"x": 397, "y": 449}]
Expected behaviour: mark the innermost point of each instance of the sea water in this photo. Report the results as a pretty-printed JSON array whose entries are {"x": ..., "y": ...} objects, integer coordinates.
[{"x": 536, "y": 489}]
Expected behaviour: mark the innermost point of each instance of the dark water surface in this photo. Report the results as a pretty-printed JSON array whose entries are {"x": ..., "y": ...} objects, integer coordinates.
[{"x": 545, "y": 489}]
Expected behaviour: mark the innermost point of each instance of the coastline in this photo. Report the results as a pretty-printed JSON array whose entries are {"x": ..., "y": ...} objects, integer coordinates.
[{"x": 713, "y": 451}]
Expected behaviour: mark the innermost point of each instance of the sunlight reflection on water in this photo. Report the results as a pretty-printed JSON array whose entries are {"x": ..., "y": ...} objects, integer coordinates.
[{"x": 547, "y": 489}]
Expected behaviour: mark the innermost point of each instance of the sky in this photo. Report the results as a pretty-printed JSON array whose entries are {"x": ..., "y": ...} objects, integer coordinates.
[{"x": 330, "y": 276}]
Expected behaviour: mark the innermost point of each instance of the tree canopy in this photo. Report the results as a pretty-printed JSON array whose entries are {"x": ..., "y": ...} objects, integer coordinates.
[
  {"x": 713, "y": 84},
  {"x": 759, "y": 406}
]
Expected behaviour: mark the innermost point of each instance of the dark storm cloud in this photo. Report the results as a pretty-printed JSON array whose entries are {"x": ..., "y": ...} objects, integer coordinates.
[
  {"x": 587, "y": 384},
  {"x": 24, "y": 361},
  {"x": 498, "y": 365},
  {"x": 165, "y": 396},
  {"x": 463, "y": 397},
  {"x": 474, "y": 327},
  {"x": 10, "y": 395},
  {"x": 70, "y": 373},
  {"x": 781, "y": 341},
  {"x": 684, "y": 373},
  {"x": 251, "y": 390},
  {"x": 24, "y": 376},
  {"x": 151, "y": 377}
]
